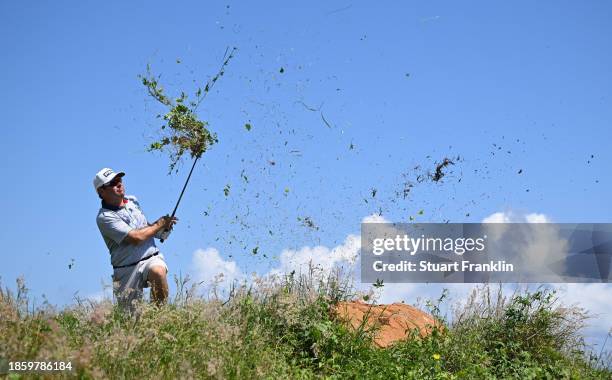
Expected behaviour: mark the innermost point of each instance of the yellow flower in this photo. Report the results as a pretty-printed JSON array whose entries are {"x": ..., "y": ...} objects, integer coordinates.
[{"x": 436, "y": 356}]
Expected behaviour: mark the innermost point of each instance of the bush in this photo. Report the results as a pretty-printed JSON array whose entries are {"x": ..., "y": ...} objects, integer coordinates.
[{"x": 283, "y": 328}]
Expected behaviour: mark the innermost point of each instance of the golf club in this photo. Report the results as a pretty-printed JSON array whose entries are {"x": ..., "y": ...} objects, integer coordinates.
[{"x": 182, "y": 191}]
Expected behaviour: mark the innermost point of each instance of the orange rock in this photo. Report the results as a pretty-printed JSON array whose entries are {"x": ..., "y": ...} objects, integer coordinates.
[{"x": 394, "y": 322}]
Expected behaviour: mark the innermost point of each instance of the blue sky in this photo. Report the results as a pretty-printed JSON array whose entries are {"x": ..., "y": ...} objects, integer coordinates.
[{"x": 507, "y": 87}]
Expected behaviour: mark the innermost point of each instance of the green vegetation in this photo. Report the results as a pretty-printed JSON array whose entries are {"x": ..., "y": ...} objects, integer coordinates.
[
  {"x": 284, "y": 329},
  {"x": 183, "y": 130}
]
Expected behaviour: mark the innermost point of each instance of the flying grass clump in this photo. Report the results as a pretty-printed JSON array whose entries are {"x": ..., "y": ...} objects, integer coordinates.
[
  {"x": 182, "y": 131},
  {"x": 186, "y": 133}
]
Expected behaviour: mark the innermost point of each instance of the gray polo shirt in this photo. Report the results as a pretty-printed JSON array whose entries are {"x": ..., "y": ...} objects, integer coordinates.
[{"x": 115, "y": 223}]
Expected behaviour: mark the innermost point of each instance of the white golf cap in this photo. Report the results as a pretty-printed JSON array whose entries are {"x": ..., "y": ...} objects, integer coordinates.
[{"x": 104, "y": 176}]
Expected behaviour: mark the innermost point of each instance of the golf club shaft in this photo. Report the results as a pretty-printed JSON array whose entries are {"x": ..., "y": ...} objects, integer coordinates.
[{"x": 182, "y": 191}]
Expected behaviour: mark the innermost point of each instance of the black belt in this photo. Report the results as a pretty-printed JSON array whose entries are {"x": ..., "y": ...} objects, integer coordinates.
[{"x": 131, "y": 265}]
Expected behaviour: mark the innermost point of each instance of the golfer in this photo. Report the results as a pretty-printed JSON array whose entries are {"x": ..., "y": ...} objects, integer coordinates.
[{"x": 137, "y": 262}]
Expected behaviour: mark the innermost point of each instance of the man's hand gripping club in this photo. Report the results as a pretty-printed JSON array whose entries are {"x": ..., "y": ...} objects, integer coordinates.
[
  {"x": 167, "y": 223},
  {"x": 162, "y": 225}
]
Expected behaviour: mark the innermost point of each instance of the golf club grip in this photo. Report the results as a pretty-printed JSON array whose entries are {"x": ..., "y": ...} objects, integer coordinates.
[{"x": 171, "y": 216}]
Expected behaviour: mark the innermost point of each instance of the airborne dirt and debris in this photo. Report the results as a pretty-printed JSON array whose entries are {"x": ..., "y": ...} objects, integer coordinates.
[
  {"x": 437, "y": 176},
  {"x": 282, "y": 167},
  {"x": 440, "y": 171},
  {"x": 286, "y": 174},
  {"x": 307, "y": 222}
]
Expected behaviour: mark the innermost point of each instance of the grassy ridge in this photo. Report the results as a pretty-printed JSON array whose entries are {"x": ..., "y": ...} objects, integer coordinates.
[{"x": 284, "y": 329}]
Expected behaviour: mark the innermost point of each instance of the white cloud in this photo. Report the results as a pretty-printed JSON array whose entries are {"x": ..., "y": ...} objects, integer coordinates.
[
  {"x": 374, "y": 218},
  {"x": 537, "y": 218},
  {"x": 538, "y": 248},
  {"x": 497, "y": 220},
  {"x": 498, "y": 217},
  {"x": 322, "y": 258},
  {"x": 543, "y": 248},
  {"x": 595, "y": 298},
  {"x": 512, "y": 217},
  {"x": 325, "y": 259},
  {"x": 209, "y": 268}
]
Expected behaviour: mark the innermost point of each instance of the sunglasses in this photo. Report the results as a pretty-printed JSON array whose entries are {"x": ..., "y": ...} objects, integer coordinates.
[{"x": 112, "y": 183}]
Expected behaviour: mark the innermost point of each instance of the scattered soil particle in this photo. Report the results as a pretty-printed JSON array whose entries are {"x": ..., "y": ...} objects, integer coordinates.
[
  {"x": 307, "y": 222},
  {"x": 437, "y": 176}
]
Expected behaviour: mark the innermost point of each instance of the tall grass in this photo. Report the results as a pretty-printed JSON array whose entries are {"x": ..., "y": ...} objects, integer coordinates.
[{"x": 283, "y": 328}]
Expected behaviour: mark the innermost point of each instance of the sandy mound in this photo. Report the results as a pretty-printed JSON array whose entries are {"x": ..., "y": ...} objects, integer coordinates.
[{"x": 395, "y": 321}]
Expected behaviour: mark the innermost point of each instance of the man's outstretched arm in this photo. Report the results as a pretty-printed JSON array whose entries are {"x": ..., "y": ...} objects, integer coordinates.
[{"x": 138, "y": 236}]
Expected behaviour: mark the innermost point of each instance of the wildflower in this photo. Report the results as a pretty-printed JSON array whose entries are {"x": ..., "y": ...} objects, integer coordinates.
[
  {"x": 84, "y": 355},
  {"x": 214, "y": 366},
  {"x": 436, "y": 356},
  {"x": 100, "y": 314}
]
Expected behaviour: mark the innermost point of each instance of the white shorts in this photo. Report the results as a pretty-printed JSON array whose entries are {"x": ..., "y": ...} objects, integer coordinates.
[{"x": 128, "y": 283}]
